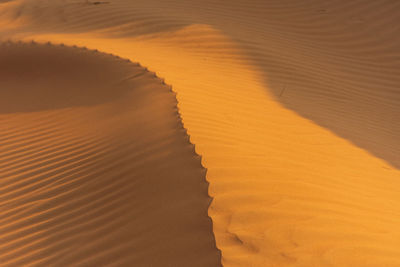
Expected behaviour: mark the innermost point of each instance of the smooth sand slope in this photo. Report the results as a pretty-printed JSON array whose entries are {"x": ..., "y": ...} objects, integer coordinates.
[
  {"x": 96, "y": 168},
  {"x": 293, "y": 105}
]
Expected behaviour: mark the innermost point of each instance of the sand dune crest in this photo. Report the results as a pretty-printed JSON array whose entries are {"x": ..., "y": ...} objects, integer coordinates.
[
  {"x": 293, "y": 105},
  {"x": 95, "y": 166}
]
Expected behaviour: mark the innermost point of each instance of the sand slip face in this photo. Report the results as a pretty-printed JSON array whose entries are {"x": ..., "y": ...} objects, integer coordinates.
[
  {"x": 293, "y": 106},
  {"x": 95, "y": 166}
]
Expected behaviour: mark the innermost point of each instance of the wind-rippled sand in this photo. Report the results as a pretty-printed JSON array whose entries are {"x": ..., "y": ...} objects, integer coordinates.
[{"x": 293, "y": 106}]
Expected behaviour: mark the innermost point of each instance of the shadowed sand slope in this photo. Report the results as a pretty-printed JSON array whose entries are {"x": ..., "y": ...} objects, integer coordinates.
[
  {"x": 96, "y": 168},
  {"x": 335, "y": 63},
  {"x": 293, "y": 105}
]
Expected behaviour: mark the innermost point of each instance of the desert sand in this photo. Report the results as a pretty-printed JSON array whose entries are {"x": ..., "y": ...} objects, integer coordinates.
[
  {"x": 96, "y": 167},
  {"x": 292, "y": 107}
]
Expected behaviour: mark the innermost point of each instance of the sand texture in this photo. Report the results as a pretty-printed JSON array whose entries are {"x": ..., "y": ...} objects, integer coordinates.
[
  {"x": 96, "y": 167},
  {"x": 294, "y": 107}
]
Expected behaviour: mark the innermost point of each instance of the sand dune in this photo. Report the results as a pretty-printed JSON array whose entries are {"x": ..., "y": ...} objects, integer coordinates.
[
  {"x": 96, "y": 167},
  {"x": 293, "y": 105}
]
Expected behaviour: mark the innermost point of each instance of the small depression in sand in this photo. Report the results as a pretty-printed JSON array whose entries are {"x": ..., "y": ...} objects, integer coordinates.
[{"x": 95, "y": 165}]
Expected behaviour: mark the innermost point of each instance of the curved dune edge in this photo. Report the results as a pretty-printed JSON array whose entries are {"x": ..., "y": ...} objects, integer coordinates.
[
  {"x": 287, "y": 192},
  {"x": 96, "y": 166}
]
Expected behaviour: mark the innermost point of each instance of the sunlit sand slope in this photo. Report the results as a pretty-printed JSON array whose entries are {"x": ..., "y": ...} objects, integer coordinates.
[
  {"x": 334, "y": 62},
  {"x": 96, "y": 168},
  {"x": 293, "y": 105}
]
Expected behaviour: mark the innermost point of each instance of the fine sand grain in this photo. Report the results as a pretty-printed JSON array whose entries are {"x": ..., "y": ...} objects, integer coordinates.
[
  {"x": 294, "y": 107},
  {"x": 95, "y": 165}
]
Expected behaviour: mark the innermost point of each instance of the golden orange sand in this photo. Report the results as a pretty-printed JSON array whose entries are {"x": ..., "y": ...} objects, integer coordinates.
[
  {"x": 96, "y": 168},
  {"x": 293, "y": 105}
]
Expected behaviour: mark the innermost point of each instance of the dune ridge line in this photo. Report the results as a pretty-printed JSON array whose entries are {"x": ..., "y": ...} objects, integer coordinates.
[{"x": 78, "y": 171}]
